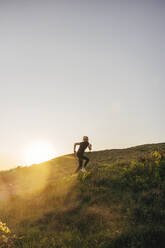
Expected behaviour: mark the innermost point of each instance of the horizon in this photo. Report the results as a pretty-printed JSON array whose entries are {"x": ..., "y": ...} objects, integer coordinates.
[
  {"x": 63, "y": 155},
  {"x": 76, "y": 68}
]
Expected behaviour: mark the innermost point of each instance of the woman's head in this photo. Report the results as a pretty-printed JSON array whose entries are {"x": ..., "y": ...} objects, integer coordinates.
[{"x": 85, "y": 138}]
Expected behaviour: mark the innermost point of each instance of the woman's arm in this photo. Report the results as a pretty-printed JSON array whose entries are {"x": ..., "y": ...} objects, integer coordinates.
[
  {"x": 90, "y": 147},
  {"x": 76, "y": 144}
]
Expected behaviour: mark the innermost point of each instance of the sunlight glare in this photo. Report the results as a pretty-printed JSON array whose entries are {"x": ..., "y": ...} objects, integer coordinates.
[{"x": 39, "y": 152}]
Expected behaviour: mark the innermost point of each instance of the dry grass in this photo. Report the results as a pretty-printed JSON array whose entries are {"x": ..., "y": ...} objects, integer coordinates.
[{"x": 52, "y": 207}]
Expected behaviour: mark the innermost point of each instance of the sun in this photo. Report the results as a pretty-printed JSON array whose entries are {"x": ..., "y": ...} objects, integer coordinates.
[{"x": 39, "y": 152}]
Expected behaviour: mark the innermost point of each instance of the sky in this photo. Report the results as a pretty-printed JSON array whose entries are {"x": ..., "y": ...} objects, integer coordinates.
[{"x": 70, "y": 68}]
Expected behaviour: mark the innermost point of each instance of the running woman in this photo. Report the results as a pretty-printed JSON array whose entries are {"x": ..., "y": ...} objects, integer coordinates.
[{"x": 80, "y": 153}]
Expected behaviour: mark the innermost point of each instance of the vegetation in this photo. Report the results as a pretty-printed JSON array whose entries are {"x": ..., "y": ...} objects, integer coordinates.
[{"x": 118, "y": 202}]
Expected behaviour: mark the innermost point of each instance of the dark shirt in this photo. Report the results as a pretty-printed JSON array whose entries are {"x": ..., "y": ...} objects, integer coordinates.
[{"x": 83, "y": 146}]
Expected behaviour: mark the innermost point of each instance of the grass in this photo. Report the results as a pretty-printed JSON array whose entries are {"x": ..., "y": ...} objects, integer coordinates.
[{"x": 119, "y": 202}]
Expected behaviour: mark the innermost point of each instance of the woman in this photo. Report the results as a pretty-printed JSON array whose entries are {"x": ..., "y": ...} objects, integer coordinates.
[{"x": 80, "y": 153}]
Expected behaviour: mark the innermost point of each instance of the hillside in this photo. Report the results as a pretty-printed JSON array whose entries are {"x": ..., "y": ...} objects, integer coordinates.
[{"x": 119, "y": 202}]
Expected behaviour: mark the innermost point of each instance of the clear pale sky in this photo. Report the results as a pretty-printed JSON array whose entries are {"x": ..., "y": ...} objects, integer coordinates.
[{"x": 70, "y": 68}]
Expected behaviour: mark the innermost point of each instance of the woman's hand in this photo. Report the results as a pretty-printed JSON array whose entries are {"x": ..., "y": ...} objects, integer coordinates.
[{"x": 90, "y": 147}]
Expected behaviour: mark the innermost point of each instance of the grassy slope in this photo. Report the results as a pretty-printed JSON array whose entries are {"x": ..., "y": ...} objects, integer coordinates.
[{"x": 115, "y": 204}]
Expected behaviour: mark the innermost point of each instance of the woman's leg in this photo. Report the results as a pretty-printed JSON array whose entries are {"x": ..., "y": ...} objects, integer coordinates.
[
  {"x": 86, "y": 160},
  {"x": 80, "y": 161}
]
